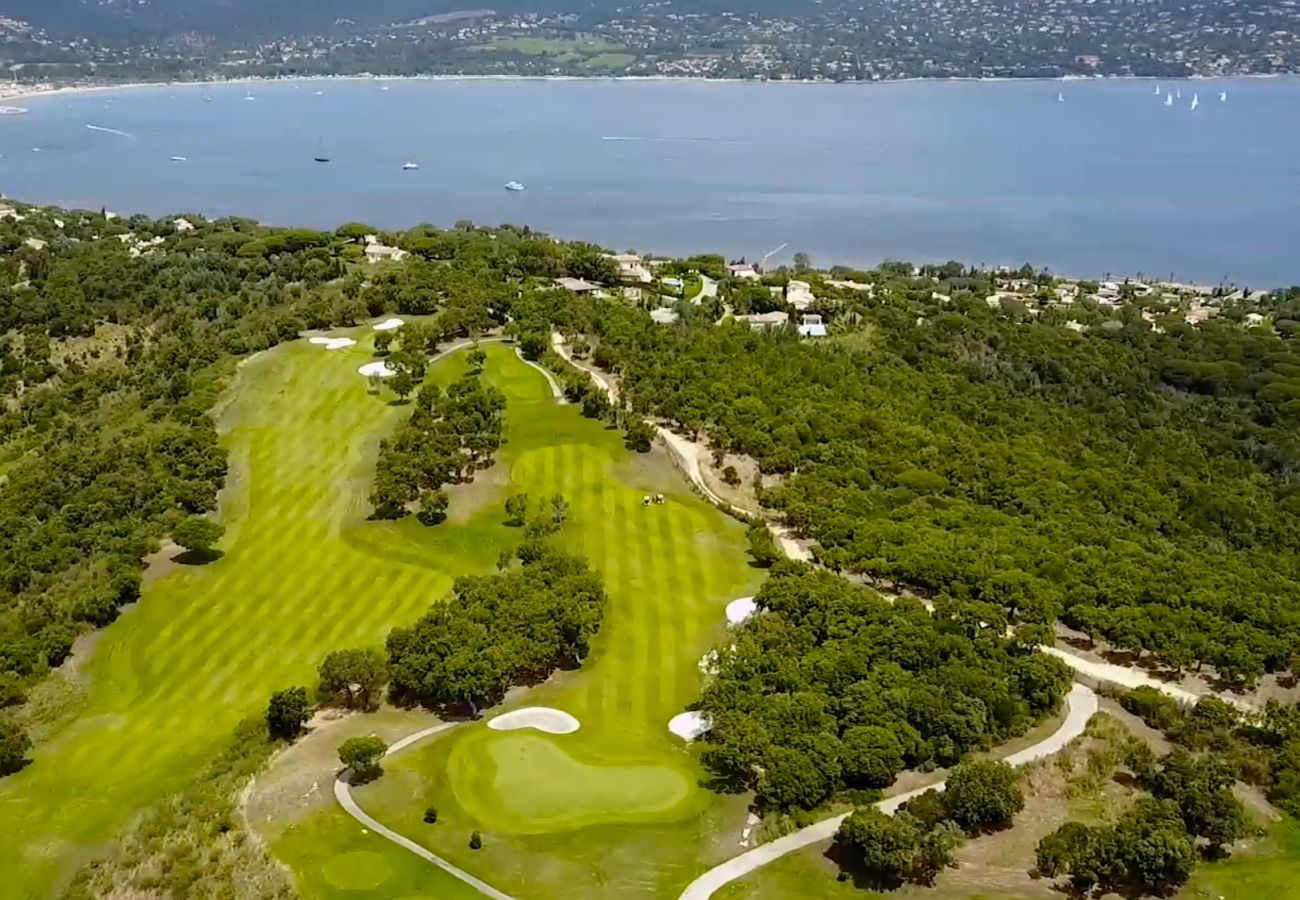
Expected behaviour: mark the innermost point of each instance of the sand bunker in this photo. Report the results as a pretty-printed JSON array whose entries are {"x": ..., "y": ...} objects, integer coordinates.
[
  {"x": 543, "y": 718},
  {"x": 688, "y": 725},
  {"x": 330, "y": 343},
  {"x": 740, "y": 609},
  {"x": 379, "y": 368},
  {"x": 389, "y": 324}
]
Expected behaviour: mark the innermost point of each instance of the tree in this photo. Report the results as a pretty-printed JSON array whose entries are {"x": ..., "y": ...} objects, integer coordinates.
[
  {"x": 638, "y": 436},
  {"x": 792, "y": 779},
  {"x": 559, "y": 509},
  {"x": 14, "y": 744},
  {"x": 197, "y": 533},
  {"x": 402, "y": 383},
  {"x": 287, "y": 712},
  {"x": 431, "y": 815},
  {"x": 475, "y": 841},
  {"x": 353, "y": 678},
  {"x": 362, "y": 756},
  {"x": 12, "y": 692},
  {"x": 731, "y": 476},
  {"x": 935, "y": 851},
  {"x": 516, "y": 509},
  {"x": 881, "y": 846},
  {"x": 983, "y": 793},
  {"x": 762, "y": 546},
  {"x": 433, "y": 507},
  {"x": 1065, "y": 849},
  {"x": 802, "y": 262},
  {"x": 871, "y": 755},
  {"x": 383, "y": 342},
  {"x": 476, "y": 358}
]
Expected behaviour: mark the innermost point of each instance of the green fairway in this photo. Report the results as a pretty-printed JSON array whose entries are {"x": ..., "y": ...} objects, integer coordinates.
[
  {"x": 616, "y": 807},
  {"x": 303, "y": 573}
]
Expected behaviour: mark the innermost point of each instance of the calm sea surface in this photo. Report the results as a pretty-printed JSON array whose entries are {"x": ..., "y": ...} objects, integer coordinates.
[{"x": 1110, "y": 180}]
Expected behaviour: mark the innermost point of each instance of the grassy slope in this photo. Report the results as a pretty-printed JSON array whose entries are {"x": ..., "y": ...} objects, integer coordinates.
[
  {"x": 303, "y": 573},
  {"x": 613, "y": 809}
]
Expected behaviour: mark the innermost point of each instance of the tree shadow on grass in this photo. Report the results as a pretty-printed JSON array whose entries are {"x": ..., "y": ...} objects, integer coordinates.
[
  {"x": 198, "y": 557},
  {"x": 852, "y": 870}
]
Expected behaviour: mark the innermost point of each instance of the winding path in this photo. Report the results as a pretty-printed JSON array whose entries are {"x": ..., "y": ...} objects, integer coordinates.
[
  {"x": 343, "y": 793},
  {"x": 1081, "y": 703}
]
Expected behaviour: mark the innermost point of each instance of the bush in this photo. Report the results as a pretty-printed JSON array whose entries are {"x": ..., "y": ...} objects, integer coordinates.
[
  {"x": 14, "y": 744},
  {"x": 1153, "y": 706},
  {"x": 198, "y": 533},
  {"x": 362, "y": 756},
  {"x": 287, "y": 712},
  {"x": 475, "y": 841},
  {"x": 431, "y": 816},
  {"x": 982, "y": 794}
]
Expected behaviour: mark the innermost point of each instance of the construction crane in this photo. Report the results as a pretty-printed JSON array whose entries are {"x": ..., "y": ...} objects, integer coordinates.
[{"x": 762, "y": 263}]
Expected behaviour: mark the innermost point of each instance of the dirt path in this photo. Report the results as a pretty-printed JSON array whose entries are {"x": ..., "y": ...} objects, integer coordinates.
[
  {"x": 343, "y": 793},
  {"x": 1081, "y": 703}
]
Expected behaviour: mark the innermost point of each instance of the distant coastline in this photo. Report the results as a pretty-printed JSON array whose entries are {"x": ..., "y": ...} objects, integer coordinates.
[{"x": 24, "y": 92}]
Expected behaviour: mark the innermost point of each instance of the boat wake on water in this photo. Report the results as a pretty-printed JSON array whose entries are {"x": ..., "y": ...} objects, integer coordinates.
[
  {"x": 108, "y": 130},
  {"x": 674, "y": 140}
]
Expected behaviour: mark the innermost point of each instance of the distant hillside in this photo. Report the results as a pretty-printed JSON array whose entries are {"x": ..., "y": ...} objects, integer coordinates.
[{"x": 220, "y": 18}]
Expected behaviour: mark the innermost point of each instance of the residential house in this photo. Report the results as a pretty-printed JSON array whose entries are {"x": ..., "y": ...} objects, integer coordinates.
[
  {"x": 577, "y": 285},
  {"x": 763, "y": 321},
  {"x": 743, "y": 271},
  {"x": 812, "y": 326},
  {"x": 631, "y": 267}
]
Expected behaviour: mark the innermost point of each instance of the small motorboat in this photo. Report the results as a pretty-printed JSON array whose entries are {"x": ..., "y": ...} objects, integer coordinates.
[
  {"x": 514, "y": 186},
  {"x": 410, "y": 166}
]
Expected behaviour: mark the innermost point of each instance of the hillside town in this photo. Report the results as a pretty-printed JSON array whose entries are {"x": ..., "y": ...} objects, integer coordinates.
[{"x": 826, "y": 42}]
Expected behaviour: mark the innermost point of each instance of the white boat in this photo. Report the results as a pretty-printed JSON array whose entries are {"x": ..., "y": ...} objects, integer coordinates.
[
  {"x": 514, "y": 186},
  {"x": 410, "y": 166},
  {"x": 180, "y": 159},
  {"x": 1169, "y": 99},
  {"x": 1223, "y": 96},
  {"x": 248, "y": 94},
  {"x": 207, "y": 99},
  {"x": 1157, "y": 90},
  {"x": 318, "y": 93},
  {"x": 1179, "y": 94},
  {"x": 1060, "y": 98},
  {"x": 1196, "y": 101},
  {"x": 384, "y": 88}
]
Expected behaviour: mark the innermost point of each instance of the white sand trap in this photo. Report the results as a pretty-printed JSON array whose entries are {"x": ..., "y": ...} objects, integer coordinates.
[
  {"x": 379, "y": 368},
  {"x": 688, "y": 725},
  {"x": 543, "y": 718},
  {"x": 389, "y": 324},
  {"x": 740, "y": 609},
  {"x": 331, "y": 343}
]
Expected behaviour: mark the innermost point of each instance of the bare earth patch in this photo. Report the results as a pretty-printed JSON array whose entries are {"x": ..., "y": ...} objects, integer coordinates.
[{"x": 300, "y": 778}]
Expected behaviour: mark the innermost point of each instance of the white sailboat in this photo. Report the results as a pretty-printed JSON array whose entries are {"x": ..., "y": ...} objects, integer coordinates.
[
  {"x": 248, "y": 94},
  {"x": 1196, "y": 101},
  {"x": 1157, "y": 90},
  {"x": 1179, "y": 94},
  {"x": 1060, "y": 98},
  {"x": 1223, "y": 96},
  {"x": 1169, "y": 99}
]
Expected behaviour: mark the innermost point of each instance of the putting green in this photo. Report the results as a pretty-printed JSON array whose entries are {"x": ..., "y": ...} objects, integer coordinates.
[
  {"x": 361, "y": 870},
  {"x": 526, "y": 783}
]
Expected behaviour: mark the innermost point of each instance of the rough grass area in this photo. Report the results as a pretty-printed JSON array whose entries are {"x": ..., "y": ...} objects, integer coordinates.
[{"x": 303, "y": 572}]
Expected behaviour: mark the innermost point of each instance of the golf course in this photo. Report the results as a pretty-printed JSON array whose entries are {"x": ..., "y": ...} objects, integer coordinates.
[{"x": 301, "y": 562}]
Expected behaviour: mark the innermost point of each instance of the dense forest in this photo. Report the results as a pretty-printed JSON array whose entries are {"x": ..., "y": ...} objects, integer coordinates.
[
  {"x": 832, "y": 687},
  {"x": 447, "y": 438},
  {"x": 1131, "y": 474},
  {"x": 496, "y": 631}
]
